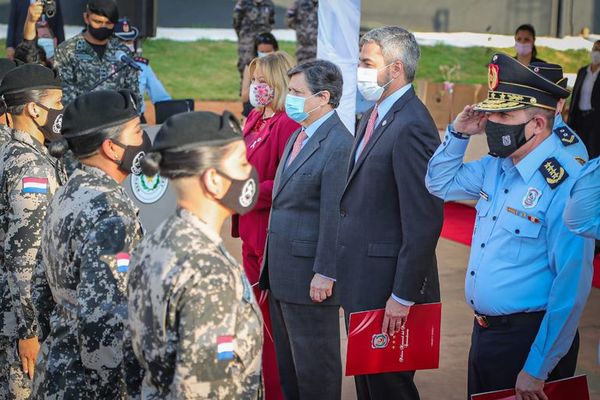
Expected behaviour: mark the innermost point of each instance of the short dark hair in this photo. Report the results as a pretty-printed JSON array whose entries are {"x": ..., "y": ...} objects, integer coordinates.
[
  {"x": 322, "y": 75},
  {"x": 105, "y": 8},
  {"x": 24, "y": 54}
]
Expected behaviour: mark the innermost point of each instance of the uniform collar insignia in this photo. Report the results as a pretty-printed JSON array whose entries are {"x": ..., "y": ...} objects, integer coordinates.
[
  {"x": 565, "y": 135},
  {"x": 553, "y": 172}
]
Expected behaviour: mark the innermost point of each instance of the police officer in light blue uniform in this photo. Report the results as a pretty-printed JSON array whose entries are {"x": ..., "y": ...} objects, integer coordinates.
[
  {"x": 528, "y": 276},
  {"x": 149, "y": 82},
  {"x": 562, "y": 132},
  {"x": 582, "y": 214}
]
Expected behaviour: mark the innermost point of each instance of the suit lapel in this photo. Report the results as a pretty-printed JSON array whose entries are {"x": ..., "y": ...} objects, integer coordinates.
[
  {"x": 307, "y": 151},
  {"x": 379, "y": 130},
  {"x": 360, "y": 133},
  {"x": 281, "y": 167}
]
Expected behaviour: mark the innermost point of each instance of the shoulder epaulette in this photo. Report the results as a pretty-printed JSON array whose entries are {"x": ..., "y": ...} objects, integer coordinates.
[{"x": 553, "y": 172}]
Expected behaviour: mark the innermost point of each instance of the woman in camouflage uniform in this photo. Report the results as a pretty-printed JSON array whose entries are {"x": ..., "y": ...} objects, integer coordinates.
[
  {"x": 195, "y": 325},
  {"x": 88, "y": 235}
]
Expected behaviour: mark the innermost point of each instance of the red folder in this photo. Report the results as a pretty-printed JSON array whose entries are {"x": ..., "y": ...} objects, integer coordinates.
[
  {"x": 416, "y": 346},
  {"x": 575, "y": 388}
]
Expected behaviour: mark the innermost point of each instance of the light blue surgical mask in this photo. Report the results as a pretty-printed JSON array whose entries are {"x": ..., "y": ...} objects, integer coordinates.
[
  {"x": 294, "y": 107},
  {"x": 48, "y": 45},
  {"x": 261, "y": 54}
]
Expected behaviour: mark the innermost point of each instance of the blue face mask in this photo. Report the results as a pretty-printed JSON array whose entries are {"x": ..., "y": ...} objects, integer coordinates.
[{"x": 294, "y": 107}]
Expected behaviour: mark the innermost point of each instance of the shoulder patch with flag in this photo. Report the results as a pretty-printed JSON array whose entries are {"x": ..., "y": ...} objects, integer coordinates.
[
  {"x": 122, "y": 262},
  {"x": 35, "y": 185},
  {"x": 224, "y": 348}
]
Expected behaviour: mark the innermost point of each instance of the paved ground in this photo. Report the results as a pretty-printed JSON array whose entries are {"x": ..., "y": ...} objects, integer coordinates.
[{"x": 449, "y": 382}]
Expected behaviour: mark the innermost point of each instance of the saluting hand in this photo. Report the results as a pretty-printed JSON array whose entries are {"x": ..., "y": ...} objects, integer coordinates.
[
  {"x": 529, "y": 388},
  {"x": 395, "y": 317},
  {"x": 470, "y": 122},
  {"x": 320, "y": 288}
]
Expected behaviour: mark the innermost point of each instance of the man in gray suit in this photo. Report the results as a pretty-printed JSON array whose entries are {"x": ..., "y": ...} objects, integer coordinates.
[{"x": 299, "y": 264}]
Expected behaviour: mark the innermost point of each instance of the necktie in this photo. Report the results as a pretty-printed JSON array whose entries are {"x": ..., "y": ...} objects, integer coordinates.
[
  {"x": 368, "y": 131},
  {"x": 297, "y": 146}
]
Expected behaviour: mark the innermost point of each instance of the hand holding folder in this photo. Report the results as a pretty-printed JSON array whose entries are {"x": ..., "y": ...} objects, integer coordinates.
[
  {"x": 575, "y": 388},
  {"x": 415, "y": 346}
]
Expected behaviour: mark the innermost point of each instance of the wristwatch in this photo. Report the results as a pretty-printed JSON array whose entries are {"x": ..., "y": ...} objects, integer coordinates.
[{"x": 457, "y": 134}]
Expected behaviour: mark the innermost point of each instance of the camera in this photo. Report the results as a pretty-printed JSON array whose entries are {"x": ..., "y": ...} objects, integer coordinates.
[{"x": 49, "y": 8}]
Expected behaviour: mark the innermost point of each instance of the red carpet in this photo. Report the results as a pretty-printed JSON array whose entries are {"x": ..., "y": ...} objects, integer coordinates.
[
  {"x": 458, "y": 227},
  {"x": 458, "y": 223}
]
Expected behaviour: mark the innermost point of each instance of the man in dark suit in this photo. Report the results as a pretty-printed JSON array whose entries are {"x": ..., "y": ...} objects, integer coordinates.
[
  {"x": 584, "y": 114},
  {"x": 390, "y": 224},
  {"x": 299, "y": 262}
]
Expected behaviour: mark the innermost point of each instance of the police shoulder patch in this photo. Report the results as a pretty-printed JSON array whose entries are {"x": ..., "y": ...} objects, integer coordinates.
[
  {"x": 566, "y": 136},
  {"x": 142, "y": 60},
  {"x": 553, "y": 172}
]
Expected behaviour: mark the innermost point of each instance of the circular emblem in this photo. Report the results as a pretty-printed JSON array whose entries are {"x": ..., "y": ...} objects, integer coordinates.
[
  {"x": 136, "y": 166},
  {"x": 248, "y": 193},
  {"x": 379, "y": 341},
  {"x": 57, "y": 126},
  {"x": 148, "y": 189},
  {"x": 531, "y": 198},
  {"x": 493, "y": 80},
  {"x": 536, "y": 69}
]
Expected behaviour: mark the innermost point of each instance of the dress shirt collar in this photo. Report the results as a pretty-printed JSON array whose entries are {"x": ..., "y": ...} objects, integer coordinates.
[
  {"x": 532, "y": 161},
  {"x": 312, "y": 128},
  {"x": 384, "y": 107}
]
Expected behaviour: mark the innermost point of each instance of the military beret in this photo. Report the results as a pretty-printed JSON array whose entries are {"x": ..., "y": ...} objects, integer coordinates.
[
  {"x": 514, "y": 86},
  {"x": 125, "y": 31},
  {"x": 24, "y": 78},
  {"x": 199, "y": 128},
  {"x": 552, "y": 72},
  {"x": 7, "y": 65},
  {"x": 106, "y": 8},
  {"x": 95, "y": 111}
]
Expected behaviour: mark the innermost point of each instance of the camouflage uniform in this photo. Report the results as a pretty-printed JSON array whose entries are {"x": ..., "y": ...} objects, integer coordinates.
[
  {"x": 303, "y": 16},
  {"x": 4, "y": 135},
  {"x": 80, "y": 68},
  {"x": 186, "y": 295},
  {"x": 251, "y": 17},
  {"x": 29, "y": 176},
  {"x": 89, "y": 232}
]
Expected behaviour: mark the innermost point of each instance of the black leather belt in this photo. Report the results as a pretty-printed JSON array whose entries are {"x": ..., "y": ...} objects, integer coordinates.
[
  {"x": 586, "y": 113},
  {"x": 486, "y": 321}
]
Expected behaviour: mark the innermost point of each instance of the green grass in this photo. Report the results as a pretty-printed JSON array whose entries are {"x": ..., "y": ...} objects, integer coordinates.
[{"x": 206, "y": 70}]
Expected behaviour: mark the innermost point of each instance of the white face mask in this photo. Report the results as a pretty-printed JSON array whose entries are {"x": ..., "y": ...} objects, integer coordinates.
[
  {"x": 367, "y": 83},
  {"x": 131, "y": 47},
  {"x": 595, "y": 57},
  {"x": 523, "y": 49},
  {"x": 261, "y": 54}
]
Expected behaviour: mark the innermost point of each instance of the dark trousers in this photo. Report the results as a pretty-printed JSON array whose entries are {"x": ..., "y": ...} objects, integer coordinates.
[
  {"x": 307, "y": 343},
  {"x": 391, "y": 385},
  {"x": 498, "y": 354}
]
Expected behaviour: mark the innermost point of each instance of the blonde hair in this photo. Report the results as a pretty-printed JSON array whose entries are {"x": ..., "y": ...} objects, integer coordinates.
[{"x": 274, "y": 68}]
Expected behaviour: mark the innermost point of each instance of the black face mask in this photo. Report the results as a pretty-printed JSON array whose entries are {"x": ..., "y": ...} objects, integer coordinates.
[
  {"x": 133, "y": 155},
  {"x": 503, "y": 140},
  {"x": 242, "y": 195},
  {"x": 51, "y": 129},
  {"x": 100, "y": 33}
]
